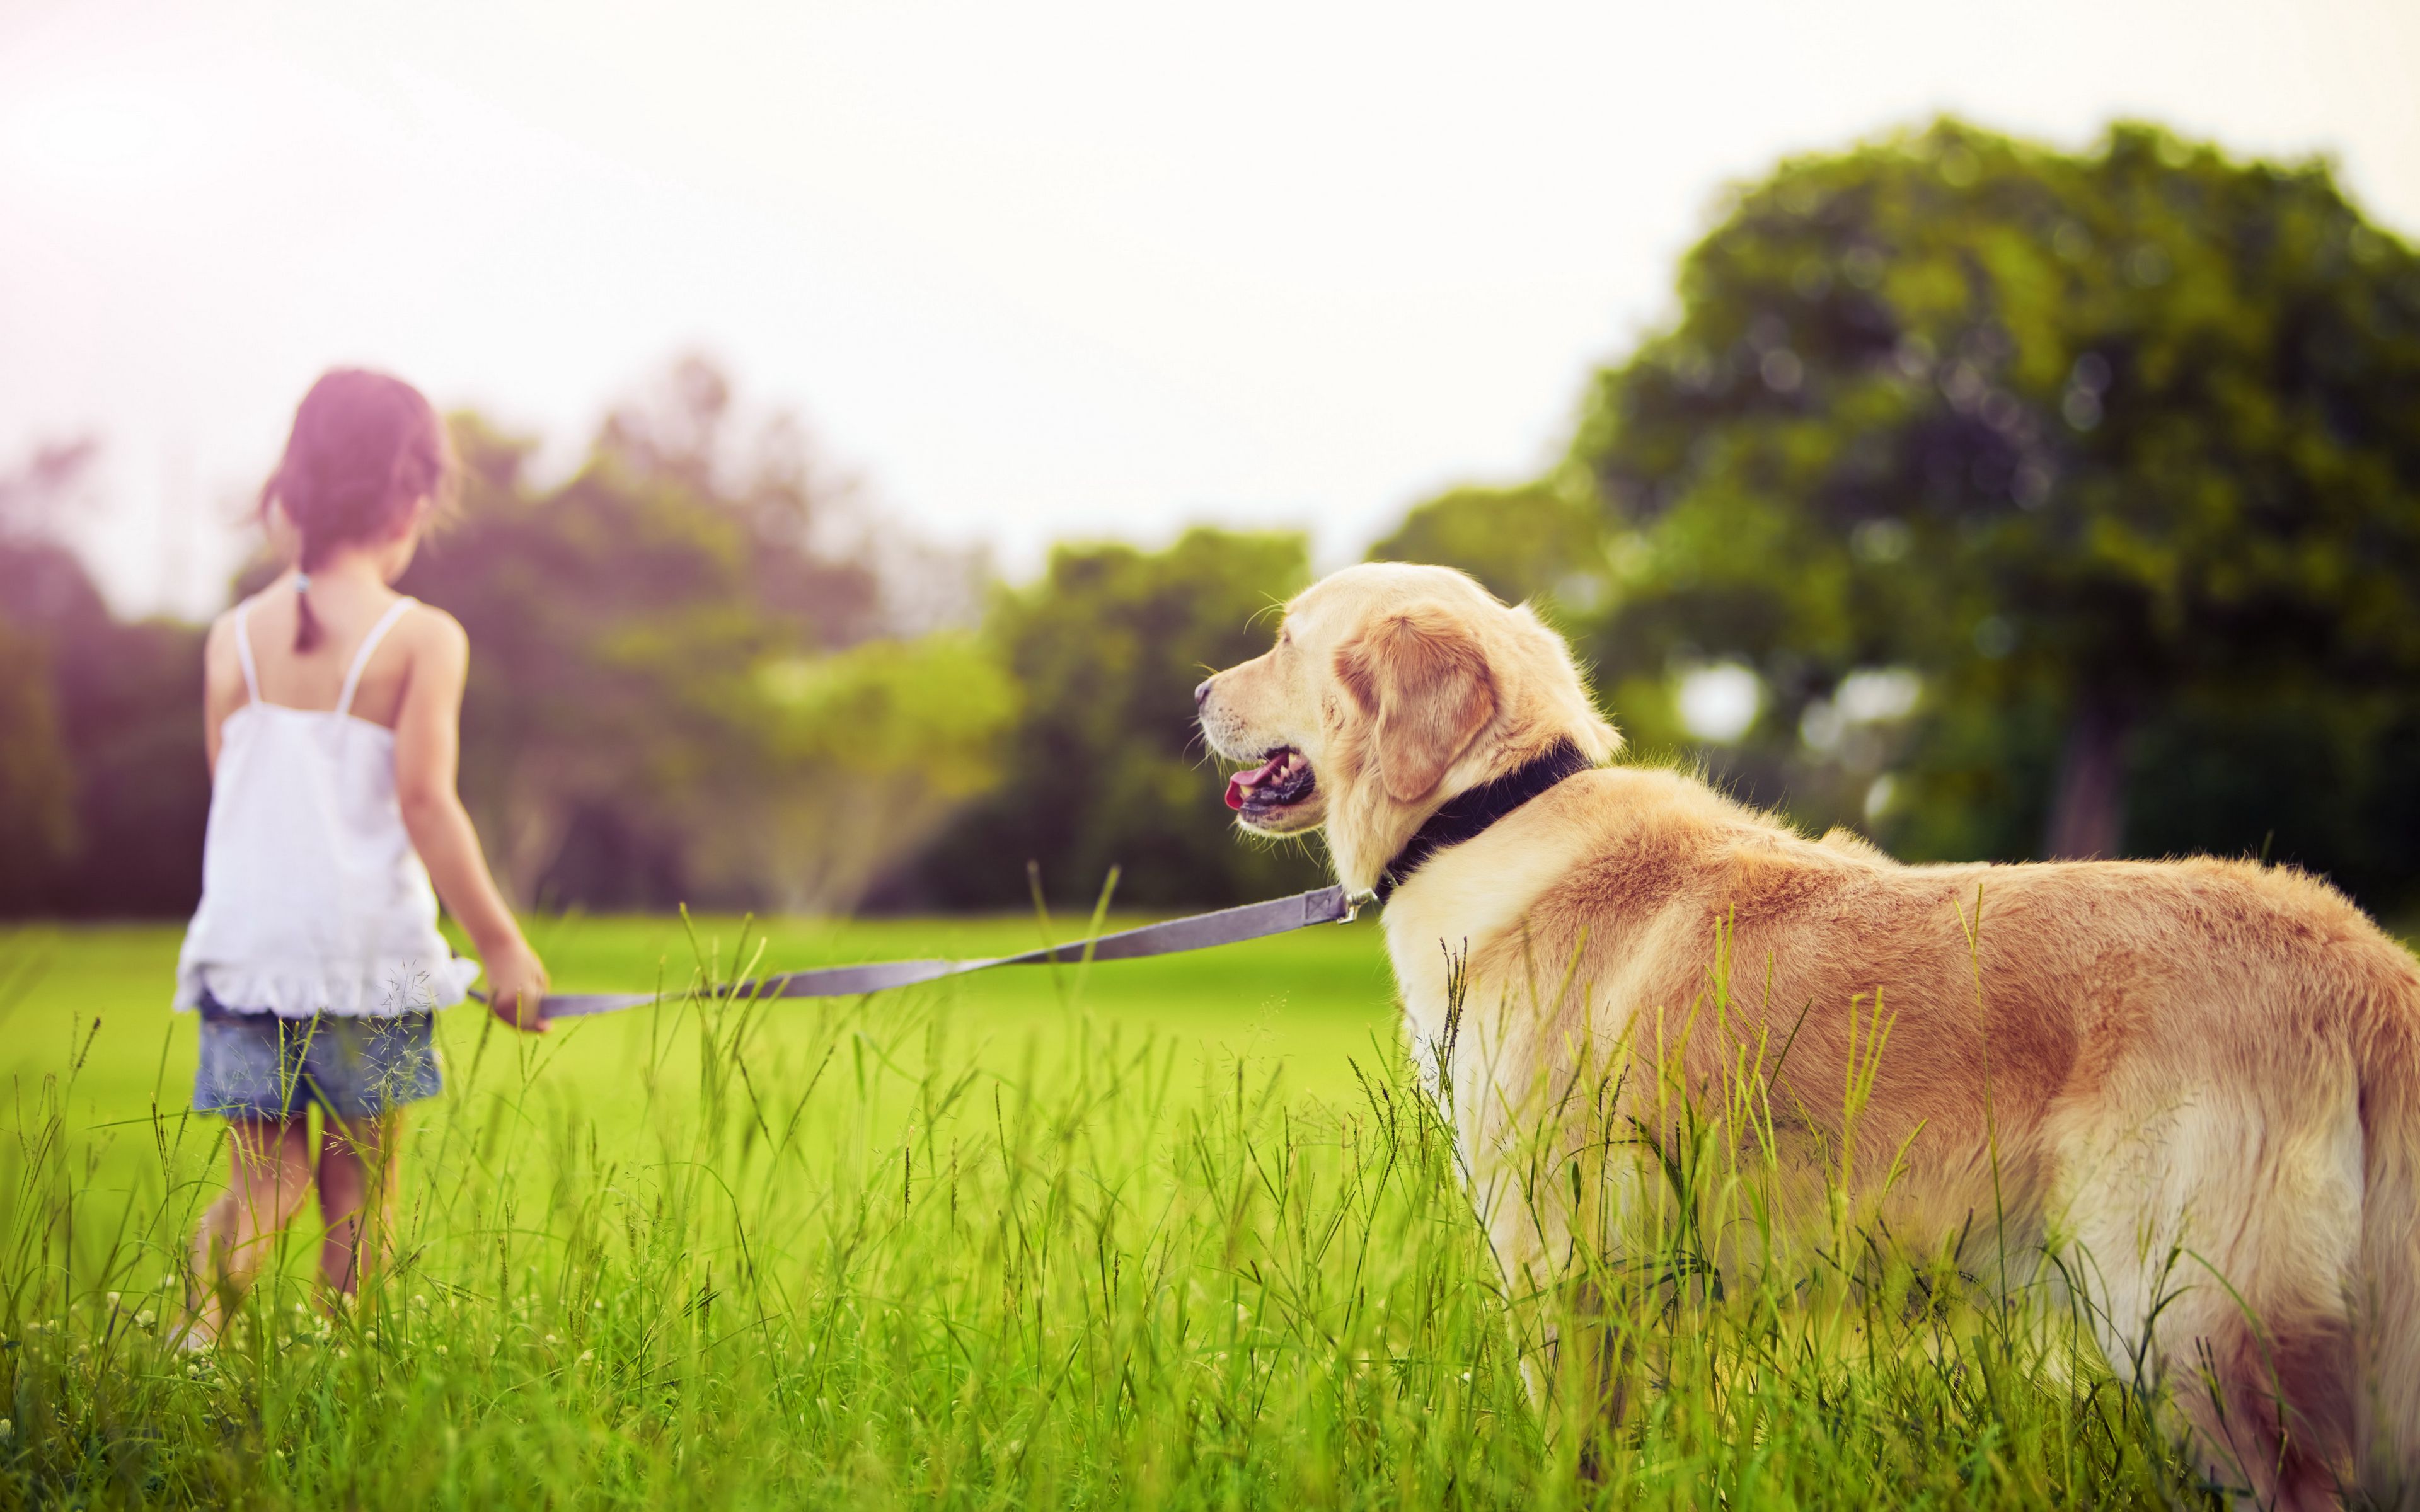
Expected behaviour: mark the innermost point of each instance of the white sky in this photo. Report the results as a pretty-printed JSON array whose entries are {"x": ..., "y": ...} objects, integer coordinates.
[{"x": 1033, "y": 270}]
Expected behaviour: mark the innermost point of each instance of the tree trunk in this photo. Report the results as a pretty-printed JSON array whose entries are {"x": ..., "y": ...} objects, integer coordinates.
[{"x": 2088, "y": 815}]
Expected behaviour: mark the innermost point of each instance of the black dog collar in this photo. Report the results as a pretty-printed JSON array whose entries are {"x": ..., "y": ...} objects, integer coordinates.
[{"x": 1466, "y": 815}]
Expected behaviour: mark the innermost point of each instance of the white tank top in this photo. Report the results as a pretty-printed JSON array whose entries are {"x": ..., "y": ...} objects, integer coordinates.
[{"x": 313, "y": 898}]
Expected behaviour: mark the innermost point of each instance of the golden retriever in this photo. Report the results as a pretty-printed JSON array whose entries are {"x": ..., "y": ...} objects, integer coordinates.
[{"x": 2159, "y": 1074}]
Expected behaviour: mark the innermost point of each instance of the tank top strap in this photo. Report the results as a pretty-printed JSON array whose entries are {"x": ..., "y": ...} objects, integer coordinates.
[
  {"x": 370, "y": 643},
  {"x": 243, "y": 652}
]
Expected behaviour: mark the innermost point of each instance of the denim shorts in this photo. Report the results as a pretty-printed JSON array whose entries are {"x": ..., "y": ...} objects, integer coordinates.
[{"x": 260, "y": 1066}]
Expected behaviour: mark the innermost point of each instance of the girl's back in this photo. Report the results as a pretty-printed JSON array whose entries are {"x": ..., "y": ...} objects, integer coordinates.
[
  {"x": 332, "y": 720},
  {"x": 314, "y": 900},
  {"x": 314, "y": 679}
]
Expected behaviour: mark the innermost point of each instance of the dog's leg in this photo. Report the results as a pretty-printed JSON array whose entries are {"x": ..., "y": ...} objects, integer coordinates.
[
  {"x": 1593, "y": 1363},
  {"x": 2214, "y": 1256}
]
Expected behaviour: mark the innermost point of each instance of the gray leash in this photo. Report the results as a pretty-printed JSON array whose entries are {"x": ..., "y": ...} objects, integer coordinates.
[{"x": 1198, "y": 932}]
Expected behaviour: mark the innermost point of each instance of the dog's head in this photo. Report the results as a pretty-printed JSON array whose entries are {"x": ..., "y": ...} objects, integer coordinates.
[{"x": 1391, "y": 688}]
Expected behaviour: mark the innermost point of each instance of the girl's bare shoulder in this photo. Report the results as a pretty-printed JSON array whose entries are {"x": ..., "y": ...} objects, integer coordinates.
[
  {"x": 223, "y": 628},
  {"x": 429, "y": 631},
  {"x": 254, "y": 611},
  {"x": 220, "y": 662},
  {"x": 224, "y": 687},
  {"x": 256, "y": 615}
]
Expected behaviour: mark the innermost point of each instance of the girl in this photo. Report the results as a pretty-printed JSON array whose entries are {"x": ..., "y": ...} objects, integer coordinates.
[{"x": 331, "y": 713}]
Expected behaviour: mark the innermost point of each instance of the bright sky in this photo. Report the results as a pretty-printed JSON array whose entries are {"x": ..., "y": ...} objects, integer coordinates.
[{"x": 1033, "y": 270}]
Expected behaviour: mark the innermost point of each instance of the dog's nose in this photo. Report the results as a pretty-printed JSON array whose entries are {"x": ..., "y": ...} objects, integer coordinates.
[{"x": 1202, "y": 694}]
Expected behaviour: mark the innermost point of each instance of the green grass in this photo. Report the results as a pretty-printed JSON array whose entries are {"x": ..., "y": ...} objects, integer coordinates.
[{"x": 1170, "y": 1233}]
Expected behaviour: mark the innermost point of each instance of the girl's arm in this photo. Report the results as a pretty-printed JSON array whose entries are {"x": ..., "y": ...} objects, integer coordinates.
[
  {"x": 428, "y": 755},
  {"x": 221, "y": 683}
]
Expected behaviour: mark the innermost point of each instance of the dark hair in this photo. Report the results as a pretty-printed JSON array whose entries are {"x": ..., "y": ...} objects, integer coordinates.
[{"x": 366, "y": 449}]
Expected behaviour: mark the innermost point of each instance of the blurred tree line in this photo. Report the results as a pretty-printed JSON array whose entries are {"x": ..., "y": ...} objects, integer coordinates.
[
  {"x": 2042, "y": 503},
  {"x": 689, "y": 682},
  {"x": 699, "y": 675},
  {"x": 102, "y": 791},
  {"x": 1107, "y": 768}
]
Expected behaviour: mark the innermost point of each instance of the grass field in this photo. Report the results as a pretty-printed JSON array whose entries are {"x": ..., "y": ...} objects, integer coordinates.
[{"x": 1174, "y": 1233}]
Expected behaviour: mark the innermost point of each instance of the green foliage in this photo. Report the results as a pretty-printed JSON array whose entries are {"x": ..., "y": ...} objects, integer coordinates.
[
  {"x": 1105, "y": 769},
  {"x": 838, "y": 1255},
  {"x": 127, "y": 699},
  {"x": 37, "y": 783},
  {"x": 615, "y": 645},
  {"x": 940, "y": 703},
  {"x": 680, "y": 690},
  {"x": 2104, "y": 435},
  {"x": 1537, "y": 542},
  {"x": 102, "y": 788},
  {"x": 875, "y": 747},
  {"x": 665, "y": 706},
  {"x": 2298, "y": 774}
]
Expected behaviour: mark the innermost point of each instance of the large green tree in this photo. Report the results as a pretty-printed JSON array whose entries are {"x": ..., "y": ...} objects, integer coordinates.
[
  {"x": 1537, "y": 542},
  {"x": 2121, "y": 450},
  {"x": 612, "y": 637},
  {"x": 679, "y": 692},
  {"x": 1105, "y": 767}
]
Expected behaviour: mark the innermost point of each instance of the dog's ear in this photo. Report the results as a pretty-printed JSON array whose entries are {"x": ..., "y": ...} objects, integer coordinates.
[{"x": 1422, "y": 680}]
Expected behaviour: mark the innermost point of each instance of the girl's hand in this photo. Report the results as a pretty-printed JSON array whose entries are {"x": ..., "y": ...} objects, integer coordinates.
[{"x": 517, "y": 985}]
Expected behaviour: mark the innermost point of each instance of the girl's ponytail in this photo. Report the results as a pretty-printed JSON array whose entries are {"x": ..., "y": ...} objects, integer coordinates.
[
  {"x": 307, "y": 625},
  {"x": 366, "y": 449}
]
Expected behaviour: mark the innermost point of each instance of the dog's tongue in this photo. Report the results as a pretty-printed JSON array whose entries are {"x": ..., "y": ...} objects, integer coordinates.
[{"x": 1240, "y": 785}]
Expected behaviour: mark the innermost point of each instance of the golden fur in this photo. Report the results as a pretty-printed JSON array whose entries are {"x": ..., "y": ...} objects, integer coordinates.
[{"x": 2205, "y": 1059}]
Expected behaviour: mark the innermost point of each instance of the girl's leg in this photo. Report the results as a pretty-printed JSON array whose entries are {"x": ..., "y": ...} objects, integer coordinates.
[
  {"x": 357, "y": 1170},
  {"x": 268, "y": 1180}
]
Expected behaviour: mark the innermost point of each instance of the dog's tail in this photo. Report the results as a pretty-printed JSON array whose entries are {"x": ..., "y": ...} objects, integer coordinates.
[{"x": 2387, "y": 1412}]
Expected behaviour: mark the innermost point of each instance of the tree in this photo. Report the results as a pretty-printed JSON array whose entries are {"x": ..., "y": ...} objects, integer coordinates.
[
  {"x": 1534, "y": 542},
  {"x": 677, "y": 676},
  {"x": 103, "y": 791},
  {"x": 1105, "y": 767},
  {"x": 879, "y": 745},
  {"x": 613, "y": 632},
  {"x": 37, "y": 781},
  {"x": 2095, "y": 443},
  {"x": 689, "y": 680},
  {"x": 39, "y": 583}
]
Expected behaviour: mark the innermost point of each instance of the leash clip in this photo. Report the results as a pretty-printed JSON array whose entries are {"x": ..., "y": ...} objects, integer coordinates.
[{"x": 1356, "y": 902}]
